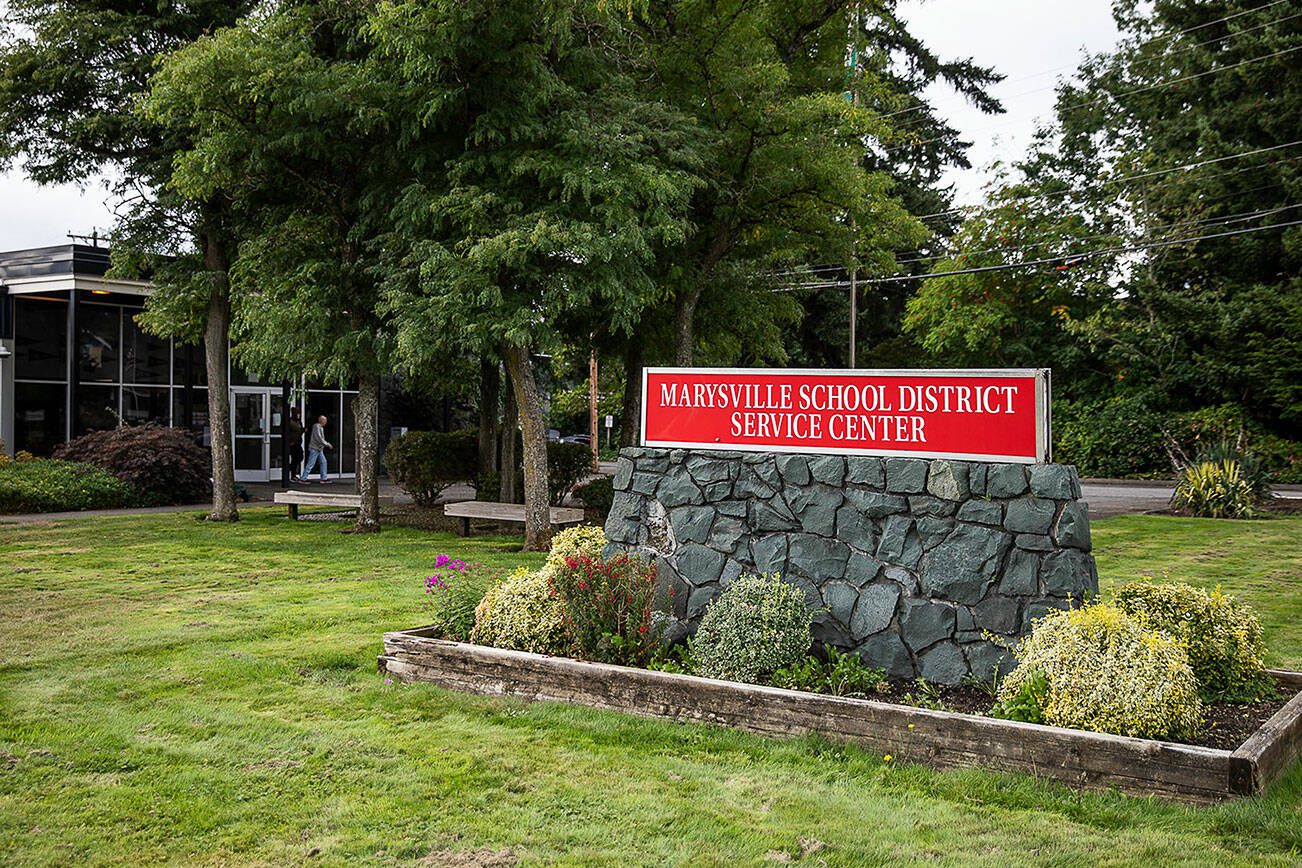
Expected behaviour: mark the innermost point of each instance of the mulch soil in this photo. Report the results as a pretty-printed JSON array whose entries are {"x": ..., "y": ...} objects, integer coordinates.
[{"x": 1226, "y": 725}]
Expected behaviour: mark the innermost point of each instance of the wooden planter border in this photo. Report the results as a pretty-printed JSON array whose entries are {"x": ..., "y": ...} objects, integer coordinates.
[{"x": 935, "y": 738}]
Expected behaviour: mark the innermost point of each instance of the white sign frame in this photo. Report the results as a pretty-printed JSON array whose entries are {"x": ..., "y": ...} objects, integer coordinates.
[{"x": 1043, "y": 411}]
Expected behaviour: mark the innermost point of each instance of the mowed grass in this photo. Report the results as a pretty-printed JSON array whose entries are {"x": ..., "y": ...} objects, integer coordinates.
[{"x": 174, "y": 691}]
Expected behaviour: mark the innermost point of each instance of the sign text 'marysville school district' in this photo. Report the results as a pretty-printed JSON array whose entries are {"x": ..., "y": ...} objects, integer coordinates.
[{"x": 977, "y": 415}]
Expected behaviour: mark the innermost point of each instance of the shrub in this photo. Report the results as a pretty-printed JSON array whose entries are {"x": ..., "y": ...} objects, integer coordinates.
[
  {"x": 567, "y": 463},
  {"x": 520, "y": 613},
  {"x": 580, "y": 541},
  {"x": 165, "y": 465},
  {"x": 425, "y": 463},
  {"x": 47, "y": 485},
  {"x": 453, "y": 593},
  {"x": 1222, "y": 636},
  {"x": 607, "y": 606},
  {"x": 1124, "y": 437},
  {"x": 598, "y": 495},
  {"x": 1119, "y": 437},
  {"x": 759, "y": 625},
  {"x": 1104, "y": 671},
  {"x": 1214, "y": 489},
  {"x": 839, "y": 675}
]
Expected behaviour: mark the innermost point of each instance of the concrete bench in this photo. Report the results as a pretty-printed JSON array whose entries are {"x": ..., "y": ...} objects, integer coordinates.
[
  {"x": 507, "y": 512},
  {"x": 295, "y": 499}
]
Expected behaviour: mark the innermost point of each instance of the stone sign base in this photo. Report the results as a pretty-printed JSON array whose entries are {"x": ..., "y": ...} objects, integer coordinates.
[{"x": 907, "y": 561}]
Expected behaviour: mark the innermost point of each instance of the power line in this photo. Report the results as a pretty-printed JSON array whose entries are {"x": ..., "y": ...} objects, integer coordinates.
[
  {"x": 1052, "y": 259},
  {"x": 816, "y": 269},
  {"x": 1122, "y": 94},
  {"x": 1176, "y": 52},
  {"x": 1186, "y": 224},
  {"x": 1128, "y": 178}
]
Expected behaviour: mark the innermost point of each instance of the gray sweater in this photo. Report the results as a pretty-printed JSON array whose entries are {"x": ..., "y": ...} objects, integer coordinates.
[{"x": 317, "y": 439}]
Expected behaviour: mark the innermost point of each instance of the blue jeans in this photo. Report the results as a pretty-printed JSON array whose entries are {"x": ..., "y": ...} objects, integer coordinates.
[{"x": 313, "y": 455}]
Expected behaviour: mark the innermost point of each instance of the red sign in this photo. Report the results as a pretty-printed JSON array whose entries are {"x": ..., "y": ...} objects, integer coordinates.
[{"x": 986, "y": 415}]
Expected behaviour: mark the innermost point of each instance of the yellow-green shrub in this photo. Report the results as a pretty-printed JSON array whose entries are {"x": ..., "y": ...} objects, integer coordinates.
[
  {"x": 580, "y": 541},
  {"x": 1215, "y": 489},
  {"x": 1221, "y": 635},
  {"x": 520, "y": 613},
  {"x": 1107, "y": 672}
]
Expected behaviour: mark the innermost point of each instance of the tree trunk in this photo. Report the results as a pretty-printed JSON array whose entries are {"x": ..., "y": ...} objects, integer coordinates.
[
  {"x": 630, "y": 425},
  {"x": 685, "y": 325},
  {"x": 216, "y": 343},
  {"x": 537, "y": 496},
  {"x": 506, "y": 467},
  {"x": 366, "y": 408},
  {"x": 490, "y": 389}
]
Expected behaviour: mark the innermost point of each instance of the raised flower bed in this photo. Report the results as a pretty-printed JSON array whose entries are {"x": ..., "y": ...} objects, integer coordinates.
[{"x": 936, "y": 738}]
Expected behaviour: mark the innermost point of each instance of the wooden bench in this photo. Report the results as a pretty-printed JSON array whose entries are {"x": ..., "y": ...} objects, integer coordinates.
[
  {"x": 507, "y": 512},
  {"x": 295, "y": 499}
]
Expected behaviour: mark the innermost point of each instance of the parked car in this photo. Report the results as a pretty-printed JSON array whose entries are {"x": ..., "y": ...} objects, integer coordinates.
[{"x": 585, "y": 439}]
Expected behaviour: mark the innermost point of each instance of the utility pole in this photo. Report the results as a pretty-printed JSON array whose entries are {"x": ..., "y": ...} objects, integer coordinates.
[
  {"x": 854, "y": 229},
  {"x": 592, "y": 407}
]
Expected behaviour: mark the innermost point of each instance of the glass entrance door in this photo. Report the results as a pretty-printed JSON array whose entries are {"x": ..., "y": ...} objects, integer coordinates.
[{"x": 256, "y": 419}]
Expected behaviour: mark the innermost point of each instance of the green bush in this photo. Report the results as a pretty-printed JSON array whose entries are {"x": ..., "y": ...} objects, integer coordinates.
[
  {"x": 607, "y": 605},
  {"x": 425, "y": 463},
  {"x": 1211, "y": 430},
  {"x": 1221, "y": 635},
  {"x": 1119, "y": 437},
  {"x": 1124, "y": 436},
  {"x": 567, "y": 463},
  {"x": 599, "y": 495},
  {"x": 521, "y": 613},
  {"x": 48, "y": 485},
  {"x": 1214, "y": 489},
  {"x": 162, "y": 464},
  {"x": 1103, "y": 671},
  {"x": 759, "y": 625},
  {"x": 839, "y": 675}
]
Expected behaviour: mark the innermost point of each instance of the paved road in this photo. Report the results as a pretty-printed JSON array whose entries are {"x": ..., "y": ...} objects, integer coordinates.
[{"x": 1108, "y": 497}]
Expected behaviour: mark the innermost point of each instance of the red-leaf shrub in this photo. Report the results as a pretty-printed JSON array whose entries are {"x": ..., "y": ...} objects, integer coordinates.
[
  {"x": 165, "y": 465},
  {"x": 607, "y": 607}
]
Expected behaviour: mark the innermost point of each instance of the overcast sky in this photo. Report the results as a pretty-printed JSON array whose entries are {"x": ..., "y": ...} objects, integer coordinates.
[{"x": 1031, "y": 41}]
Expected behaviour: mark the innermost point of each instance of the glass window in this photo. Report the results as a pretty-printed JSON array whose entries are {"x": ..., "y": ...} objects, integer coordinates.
[
  {"x": 141, "y": 405},
  {"x": 40, "y": 339},
  {"x": 348, "y": 437},
  {"x": 197, "y": 418},
  {"x": 98, "y": 342},
  {"x": 40, "y": 412},
  {"x": 324, "y": 404},
  {"x": 146, "y": 357},
  {"x": 241, "y": 377},
  {"x": 183, "y": 354},
  {"x": 96, "y": 410}
]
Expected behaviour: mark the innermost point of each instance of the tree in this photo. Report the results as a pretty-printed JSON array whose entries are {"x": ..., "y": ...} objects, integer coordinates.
[
  {"x": 1018, "y": 313},
  {"x": 70, "y": 75},
  {"x": 552, "y": 178},
  {"x": 293, "y": 125},
  {"x": 1186, "y": 130}
]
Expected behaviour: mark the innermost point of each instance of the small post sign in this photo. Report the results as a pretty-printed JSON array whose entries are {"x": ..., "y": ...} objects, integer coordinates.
[{"x": 974, "y": 415}]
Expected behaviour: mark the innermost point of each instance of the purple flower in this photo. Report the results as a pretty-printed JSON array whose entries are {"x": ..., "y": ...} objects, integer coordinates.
[{"x": 441, "y": 560}]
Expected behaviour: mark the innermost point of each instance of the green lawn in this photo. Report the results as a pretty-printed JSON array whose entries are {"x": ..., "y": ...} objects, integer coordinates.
[{"x": 172, "y": 691}]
